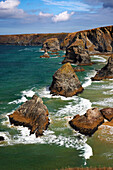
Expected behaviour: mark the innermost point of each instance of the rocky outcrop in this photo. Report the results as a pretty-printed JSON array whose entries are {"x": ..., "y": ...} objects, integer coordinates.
[
  {"x": 46, "y": 55},
  {"x": 106, "y": 72},
  {"x": 51, "y": 44},
  {"x": 65, "y": 82},
  {"x": 88, "y": 123},
  {"x": 31, "y": 39},
  {"x": 78, "y": 69},
  {"x": 80, "y": 44},
  {"x": 32, "y": 114},
  {"x": 107, "y": 113},
  {"x": 2, "y": 138}
]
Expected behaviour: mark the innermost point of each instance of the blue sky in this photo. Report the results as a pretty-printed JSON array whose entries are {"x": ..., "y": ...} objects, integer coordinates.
[{"x": 48, "y": 16}]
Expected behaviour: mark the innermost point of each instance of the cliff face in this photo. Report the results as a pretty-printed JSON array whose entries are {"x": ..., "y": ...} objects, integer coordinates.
[
  {"x": 94, "y": 41},
  {"x": 30, "y": 39}
]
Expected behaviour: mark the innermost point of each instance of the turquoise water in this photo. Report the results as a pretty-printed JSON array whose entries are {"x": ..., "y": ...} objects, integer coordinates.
[{"x": 23, "y": 74}]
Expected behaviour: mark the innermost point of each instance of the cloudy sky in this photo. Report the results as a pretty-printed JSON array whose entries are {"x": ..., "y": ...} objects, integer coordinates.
[{"x": 47, "y": 16}]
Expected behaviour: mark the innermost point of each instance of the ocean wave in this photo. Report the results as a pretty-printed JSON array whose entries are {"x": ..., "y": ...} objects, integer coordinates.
[
  {"x": 76, "y": 140},
  {"x": 98, "y": 58},
  {"x": 88, "y": 78},
  {"x": 108, "y": 102},
  {"x": 78, "y": 106},
  {"x": 25, "y": 93}
]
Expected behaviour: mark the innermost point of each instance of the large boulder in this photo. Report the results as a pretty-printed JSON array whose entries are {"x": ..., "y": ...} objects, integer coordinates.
[
  {"x": 77, "y": 54},
  {"x": 32, "y": 114},
  {"x": 106, "y": 72},
  {"x": 107, "y": 113},
  {"x": 51, "y": 44},
  {"x": 65, "y": 82},
  {"x": 88, "y": 123}
]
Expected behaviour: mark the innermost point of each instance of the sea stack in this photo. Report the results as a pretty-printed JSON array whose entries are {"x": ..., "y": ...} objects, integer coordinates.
[
  {"x": 106, "y": 72},
  {"x": 32, "y": 114},
  {"x": 77, "y": 54},
  {"x": 51, "y": 44},
  {"x": 65, "y": 82},
  {"x": 88, "y": 123},
  {"x": 46, "y": 55}
]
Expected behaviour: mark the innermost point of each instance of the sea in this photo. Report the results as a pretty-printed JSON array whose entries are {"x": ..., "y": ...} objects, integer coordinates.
[{"x": 22, "y": 74}]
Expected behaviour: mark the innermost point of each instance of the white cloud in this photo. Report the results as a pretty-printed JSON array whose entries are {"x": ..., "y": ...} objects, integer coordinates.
[
  {"x": 41, "y": 14},
  {"x": 9, "y": 4},
  {"x": 8, "y": 9},
  {"x": 64, "y": 16}
]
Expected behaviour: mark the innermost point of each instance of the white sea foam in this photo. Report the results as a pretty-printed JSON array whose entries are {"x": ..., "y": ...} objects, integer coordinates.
[
  {"x": 25, "y": 93},
  {"x": 98, "y": 58},
  {"x": 28, "y": 93},
  {"x": 108, "y": 102},
  {"x": 88, "y": 78},
  {"x": 78, "y": 106},
  {"x": 23, "y": 99}
]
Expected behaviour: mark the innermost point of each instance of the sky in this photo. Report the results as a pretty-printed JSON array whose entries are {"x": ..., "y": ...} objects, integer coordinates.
[{"x": 53, "y": 16}]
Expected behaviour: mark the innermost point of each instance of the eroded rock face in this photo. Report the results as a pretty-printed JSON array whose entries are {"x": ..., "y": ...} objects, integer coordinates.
[
  {"x": 106, "y": 72},
  {"x": 32, "y": 114},
  {"x": 88, "y": 123},
  {"x": 65, "y": 82},
  {"x": 107, "y": 113},
  {"x": 80, "y": 44},
  {"x": 51, "y": 44},
  {"x": 77, "y": 54}
]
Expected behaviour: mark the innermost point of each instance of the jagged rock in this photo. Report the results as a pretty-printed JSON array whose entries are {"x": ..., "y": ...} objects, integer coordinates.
[
  {"x": 107, "y": 113},
  {"x": 77, "y": 54},
  {"x": 94, "y": 41},
  {"x": 78, "y": 69},
  {"x": 106, "y": 72},
  {"x": 88, "y": 123},
  {"x": 32, "y": 114},
  {"x": 51, "y": 44},
  {"x": 65, "y": 82},
  {"x": 46, "y": 55},
  {"x": 2, "y": 138}
]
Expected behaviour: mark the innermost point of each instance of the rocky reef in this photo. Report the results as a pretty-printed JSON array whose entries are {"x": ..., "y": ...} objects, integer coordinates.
[
  {"x": 51, "y": 44},
  {"x": 65, "y": 82},
  {"x": 88, "y": 123},
  {"x": 107, "y": 113},
  {"x": 106, "y": 72},
  {"x": 46, "y": 55},
  {"x": 32, "y": 114},
  {"x": 78, "y": 69},
  {"x": 80, "y": 45}
]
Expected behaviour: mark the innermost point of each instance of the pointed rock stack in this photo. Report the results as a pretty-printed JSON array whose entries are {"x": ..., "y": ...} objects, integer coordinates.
[
  {"x": 106, "y": 72},
  {"x": 32, "y": 114},
  {"x": 65, "y": 82}
]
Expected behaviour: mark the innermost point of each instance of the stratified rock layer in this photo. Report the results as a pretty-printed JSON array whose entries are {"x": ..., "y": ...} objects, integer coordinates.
[
  {"x": 106, "y": 72},
  {"x": 80, "y": 44},
  {"x": 88, "y": 123},
  {"x": 65, "y": 82},
  {"x": 51, "y": 44},
  {"x": 32, "y": 114},
  {"x": 107, "y": 113}
]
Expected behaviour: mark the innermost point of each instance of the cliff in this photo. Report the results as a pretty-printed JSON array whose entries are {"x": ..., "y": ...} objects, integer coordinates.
[
  {"x": 93, "y": 41},
  {"x": 30, "y": 39}
]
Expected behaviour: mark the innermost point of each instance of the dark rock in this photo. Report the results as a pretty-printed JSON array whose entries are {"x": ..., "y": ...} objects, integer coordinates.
[
  {"x": 65, "y": 82},
  {"x": 78, "y": 69},
  {"x": 106, "y": 72},
  {"x": 77, "y": 54},
  {"x": 2, "y": 138},
  {"x": 51, "y": 44},
  {"x": 32, "y": 114},
  {"x": 107, "y": 113},
  {"x": 46, "y": 55},
  {"x": 88, "y": 123}
]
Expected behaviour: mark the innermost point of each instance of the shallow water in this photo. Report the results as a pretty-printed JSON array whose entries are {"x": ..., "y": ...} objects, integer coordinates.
[{"x": 23, "y": 74}]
